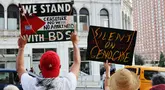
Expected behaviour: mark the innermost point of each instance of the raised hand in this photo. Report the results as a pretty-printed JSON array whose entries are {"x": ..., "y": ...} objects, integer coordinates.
[
  {"x": 21, "y": 42},
  {"x": 74, "y": 37}
]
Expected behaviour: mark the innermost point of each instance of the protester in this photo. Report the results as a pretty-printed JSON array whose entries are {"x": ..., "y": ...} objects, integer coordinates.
[
  {"x": 158, "y": 79},
  {"x": 10, "y": 87},
  {"x": 158, "y": 87},
  {"x": 102, "y": 70},
  {"x": 158, "y": 82},
  {"x": 31, "y": 70},
  {"x": 107, "y": 75},
  {"x": 50, "y": 69},
  {"x": 122, "y": 79},
  {"x": 112, "y": 71}
]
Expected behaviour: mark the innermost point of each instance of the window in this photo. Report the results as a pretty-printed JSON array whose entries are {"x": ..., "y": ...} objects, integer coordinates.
[
  {"x": 84, "y": 19},
  {"x": 2, "y": 65},
  {"x": 104, "y": 18},
  {"x": 85, "y": 65},
  {"x": 123, "y": 20},
  {"x": 1, "y": 17},
  {"x": 148, "y": 74},
  {"x": 75, "y": 16},
  {"x": 129, "y": 23},
  {"x": 126, "y": 22},
  {"x": 4, "y": 77},
  {"x": 13, "y": 17},
  {"x": 11, "y": 51},
  {"x": 37, "y": 52},
  {"x": 8, "y": 51}
]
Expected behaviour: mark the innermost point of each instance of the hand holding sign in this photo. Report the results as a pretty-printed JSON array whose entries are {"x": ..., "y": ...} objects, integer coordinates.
[
  {"x": 74, "y": 38},
  {"x": 21, "y": 42},
  {"x": 107, "y": 65},
  {"x": 111, "y": 44}
]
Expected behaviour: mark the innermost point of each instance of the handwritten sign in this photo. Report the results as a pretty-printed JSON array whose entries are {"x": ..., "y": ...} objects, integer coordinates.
[
  {"x": 111, "y": 44},
  {"x": 46, "y": 22}
]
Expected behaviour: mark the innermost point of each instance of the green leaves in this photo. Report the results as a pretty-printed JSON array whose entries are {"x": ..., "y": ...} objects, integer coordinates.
[
  {"x": 139, "y": 60},
  {"x": 162, "y": 60}
]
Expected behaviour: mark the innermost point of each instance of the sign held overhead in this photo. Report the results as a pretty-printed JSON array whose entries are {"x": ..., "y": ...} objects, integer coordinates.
[
  {"x": 46, "y": 22},
  {"x": 115, "y": 45}
]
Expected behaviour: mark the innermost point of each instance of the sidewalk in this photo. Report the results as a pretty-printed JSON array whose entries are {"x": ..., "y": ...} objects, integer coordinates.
[{"x": 88, "y": 88}]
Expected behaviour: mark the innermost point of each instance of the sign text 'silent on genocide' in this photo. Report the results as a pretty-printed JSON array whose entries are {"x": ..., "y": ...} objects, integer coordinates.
[
  {"x": 46, "y": 22},
  {"x": 115, "y": 45}
]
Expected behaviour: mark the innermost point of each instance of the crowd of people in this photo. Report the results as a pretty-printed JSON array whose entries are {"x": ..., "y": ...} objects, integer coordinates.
[
  {"x": 50, "y": 65},
  {"x": 124, "y": 79}
]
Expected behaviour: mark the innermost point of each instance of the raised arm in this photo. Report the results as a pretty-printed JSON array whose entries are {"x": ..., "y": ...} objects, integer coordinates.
[
  {"x": 20, "y": 57},
  {"x": 75, "y": 68},
  {"x": 107, "y": 67}
]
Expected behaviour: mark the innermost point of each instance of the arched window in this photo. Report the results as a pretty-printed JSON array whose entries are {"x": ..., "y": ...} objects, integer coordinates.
[
  {"x": 13, "y": 17},
  {"x": 75, "y": 16},
  {"x": 123, "y": 20},
  {"x": 104, "y": 18},
  {"x": 84, "y": 19},
  {"x": 1, "y": 17}
]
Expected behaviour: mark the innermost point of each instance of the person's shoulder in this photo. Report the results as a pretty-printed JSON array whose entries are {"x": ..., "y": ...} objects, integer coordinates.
[
  {"x": 26, "y": 77},
  {"x": 71, "y": 74},
  {"x": 69, "y": 77},
  {"x": 71, "y": 80}
]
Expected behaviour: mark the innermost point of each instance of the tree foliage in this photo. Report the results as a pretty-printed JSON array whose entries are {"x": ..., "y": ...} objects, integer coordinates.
[
  {"x": 139, "y": 60},
  {"x": 162, "y": 60}
]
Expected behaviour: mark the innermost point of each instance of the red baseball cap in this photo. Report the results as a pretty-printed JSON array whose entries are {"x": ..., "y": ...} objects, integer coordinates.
[{"x": 50, "y": 64}]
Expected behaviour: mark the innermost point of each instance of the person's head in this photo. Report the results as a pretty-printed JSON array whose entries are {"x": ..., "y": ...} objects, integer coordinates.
[
  {"x": 158, "y": 79},
  {"x": 112, "y": 70},
  {"x": 124, "y": 79},
  {"x": 50, "y": 64},
  {"x": 158, "y": 87},
  {"x": 10, "y": 87},
  {"x": 31, "y": 68}
]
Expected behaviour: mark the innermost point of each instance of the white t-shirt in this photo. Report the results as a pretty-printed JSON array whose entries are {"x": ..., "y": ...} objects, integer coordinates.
[{"x": 67, "y": 82}]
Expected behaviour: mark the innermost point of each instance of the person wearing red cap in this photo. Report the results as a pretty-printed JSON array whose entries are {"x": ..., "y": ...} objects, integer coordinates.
[{"x": 50, "y": 68}]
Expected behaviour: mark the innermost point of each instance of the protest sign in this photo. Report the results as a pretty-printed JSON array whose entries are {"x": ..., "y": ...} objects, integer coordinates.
[
  {"x": 115, "y": 45},
  {"x": 46, "y": 22}
]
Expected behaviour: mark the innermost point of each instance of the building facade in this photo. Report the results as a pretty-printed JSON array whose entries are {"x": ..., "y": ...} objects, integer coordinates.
[
  {"x": 149, "y": 21},
  {"x": 107, "y": 13}
]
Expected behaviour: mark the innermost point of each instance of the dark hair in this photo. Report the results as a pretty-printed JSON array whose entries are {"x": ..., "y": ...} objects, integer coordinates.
[
  {"x": 158, "y": 79},
  {"x": 112, "y": 70}
]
